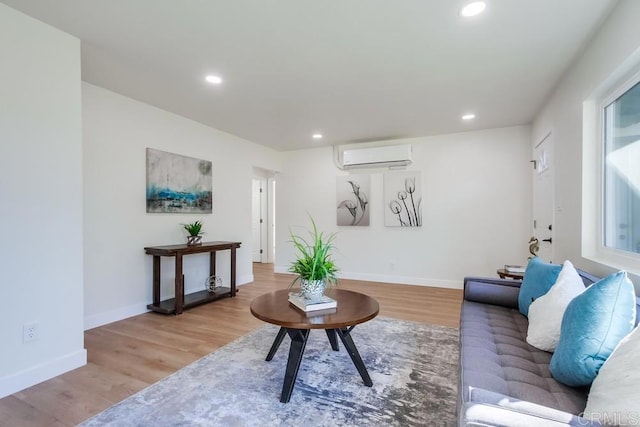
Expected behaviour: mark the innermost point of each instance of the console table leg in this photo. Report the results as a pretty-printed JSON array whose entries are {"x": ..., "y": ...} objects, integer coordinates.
[
  {"x": 233, "y": 271},
  {"x": 156, "y": 280},
  {"x": 298, "y": 343},
  {"x": 345, "y": 336},
  {"x": 212, "y": 263},
  {"x": 179, "y": 285}
]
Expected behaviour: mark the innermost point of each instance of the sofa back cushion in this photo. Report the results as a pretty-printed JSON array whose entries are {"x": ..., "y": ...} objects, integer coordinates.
[
  {"x": 545, "y": 313},
  {"x": 538, "y": 279},
  {"x": 593, "y": 325},
  {"x": 615, "y": 392}
]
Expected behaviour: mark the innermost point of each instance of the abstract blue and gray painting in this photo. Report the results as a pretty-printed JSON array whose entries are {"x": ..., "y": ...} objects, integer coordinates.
[{"x": 178, "y": 184}]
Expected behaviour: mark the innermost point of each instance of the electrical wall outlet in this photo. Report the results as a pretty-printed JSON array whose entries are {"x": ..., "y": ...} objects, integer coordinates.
[{"x": 29, "y": 332}]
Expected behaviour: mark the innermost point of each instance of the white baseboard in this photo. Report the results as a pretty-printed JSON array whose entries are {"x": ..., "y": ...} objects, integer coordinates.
[
  {"x": 243, "y": 280},
  {"x": 111, "y": 316},
  {"x": 403, "y": 280},
  {"x": 36, "y": 374}
]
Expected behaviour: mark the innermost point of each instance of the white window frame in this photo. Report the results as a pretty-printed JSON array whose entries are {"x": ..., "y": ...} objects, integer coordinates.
[{"x": 593, "y": 227}]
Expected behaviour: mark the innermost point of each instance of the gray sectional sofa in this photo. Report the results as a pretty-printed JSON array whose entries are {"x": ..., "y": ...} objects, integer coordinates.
[{"x": 503, "y": 380}]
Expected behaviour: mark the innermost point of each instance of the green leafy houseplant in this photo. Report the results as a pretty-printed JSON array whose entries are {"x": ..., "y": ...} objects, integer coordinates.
[
  {"x": 194, "y": 229},
  {"x": 313, "y": 260}
]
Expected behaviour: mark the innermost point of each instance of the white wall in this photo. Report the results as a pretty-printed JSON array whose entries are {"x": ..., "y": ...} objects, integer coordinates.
[
  {"x": 617, "y": 40},
  {"x": 476, "y": 210},
  {"x": 117, "y": 130},
  {"x": 41, "y": 194}
]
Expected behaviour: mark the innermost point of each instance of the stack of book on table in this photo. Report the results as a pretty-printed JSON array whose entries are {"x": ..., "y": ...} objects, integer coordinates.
[
  {"x": 322, "y": 302},
  {"x": 514, "y": 268}
]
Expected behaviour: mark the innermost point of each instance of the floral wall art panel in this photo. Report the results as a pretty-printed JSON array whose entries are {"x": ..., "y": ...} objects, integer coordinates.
[
  {"x": 178, "y": 184},
  {"x": 403, "y": 199},
  {"x": 352, "y": 194}
]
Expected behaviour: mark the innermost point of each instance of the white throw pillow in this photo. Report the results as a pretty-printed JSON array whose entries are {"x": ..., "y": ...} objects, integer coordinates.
[
  {"x": 545, "y": 313},
  {"x": 615, "y": 394}
]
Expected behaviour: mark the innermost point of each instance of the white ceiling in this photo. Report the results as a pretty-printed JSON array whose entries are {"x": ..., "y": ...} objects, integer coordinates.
[{"x": 354, "y": 70}]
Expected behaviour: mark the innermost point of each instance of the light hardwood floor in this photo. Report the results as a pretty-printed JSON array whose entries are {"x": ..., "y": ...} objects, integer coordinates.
[{"x": 126, "y": 356}]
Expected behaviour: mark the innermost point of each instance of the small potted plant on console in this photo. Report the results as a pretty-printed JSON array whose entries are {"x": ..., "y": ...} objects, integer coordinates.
[{"x": 195, "y": 233}]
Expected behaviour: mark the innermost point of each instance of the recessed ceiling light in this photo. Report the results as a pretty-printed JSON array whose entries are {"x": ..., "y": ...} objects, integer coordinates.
[
  {"x": 468, "y": 117},
  {"x": 473, "y": 9},
  {"x": 213, "y": 79},
  {"x": 317, "y": 136}
]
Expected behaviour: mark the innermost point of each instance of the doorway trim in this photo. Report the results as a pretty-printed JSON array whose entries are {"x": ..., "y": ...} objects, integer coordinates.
[
  {"x": 267, "y": 179},
  {"x": 542, "y": 167}
]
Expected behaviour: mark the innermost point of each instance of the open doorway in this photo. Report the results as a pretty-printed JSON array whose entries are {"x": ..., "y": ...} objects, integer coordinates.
[{"x": 263, "y": 215}]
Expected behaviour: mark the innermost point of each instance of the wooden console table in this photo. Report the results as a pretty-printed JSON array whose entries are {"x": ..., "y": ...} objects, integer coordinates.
[{"x": 181, "y": 301}]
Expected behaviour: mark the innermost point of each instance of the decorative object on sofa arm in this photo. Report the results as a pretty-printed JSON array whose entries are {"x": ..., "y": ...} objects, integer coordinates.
[
  {"x": 545, "y": 313},
  {"x": 504, "y": 274},
  {"x": 195, "y": 233},
  {"x": 514, "y": 268},
  {"x": 534, "y": 246},
  {"x": 538, "y": 279},
  {"x": 314, "y": 267},
  {"x": 593, "y": 325}
]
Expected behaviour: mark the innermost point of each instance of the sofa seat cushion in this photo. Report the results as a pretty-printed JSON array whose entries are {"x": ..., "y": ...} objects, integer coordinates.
[
  {"x": 486, "y": 408},
  {"x": 496, "y": 357}
]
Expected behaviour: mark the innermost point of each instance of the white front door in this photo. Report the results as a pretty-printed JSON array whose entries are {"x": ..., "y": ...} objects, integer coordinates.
[{"x": 543, "y": 196}]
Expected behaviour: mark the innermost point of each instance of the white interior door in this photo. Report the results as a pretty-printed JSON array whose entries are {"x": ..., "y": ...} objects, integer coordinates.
[
  {"x": 258, "y": 219},
  {"x": 543, "y": 196}
]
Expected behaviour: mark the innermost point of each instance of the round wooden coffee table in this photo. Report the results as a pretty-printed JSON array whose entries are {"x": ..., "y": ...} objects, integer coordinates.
[{"x": 353, "y": 308}]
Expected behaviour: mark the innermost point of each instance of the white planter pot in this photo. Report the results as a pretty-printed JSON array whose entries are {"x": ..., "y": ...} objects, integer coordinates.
[
  {"x": 312, "y": 288},
  {"x": 194, "y": 240}
]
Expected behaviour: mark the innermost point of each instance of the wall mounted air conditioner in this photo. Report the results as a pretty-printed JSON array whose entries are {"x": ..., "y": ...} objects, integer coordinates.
[{"x": 377, "y": 157}]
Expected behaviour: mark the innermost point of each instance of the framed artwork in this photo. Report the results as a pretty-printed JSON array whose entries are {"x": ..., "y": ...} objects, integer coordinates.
[
  {"x": 542, "y": 164},
  {"x": 178, "y": 184},
  {"x": 403, "y": 199},
  {"x": 352, "y": 200}
]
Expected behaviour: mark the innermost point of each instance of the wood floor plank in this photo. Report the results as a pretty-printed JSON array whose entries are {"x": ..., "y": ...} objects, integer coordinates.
[
  {"x": 69, "y": 405},
  {"x": 126, "y": 356},
  {"x": 15, "y": 412}
]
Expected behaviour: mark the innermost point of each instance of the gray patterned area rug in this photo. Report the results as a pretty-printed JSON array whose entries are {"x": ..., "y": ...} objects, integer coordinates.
[{"x": 413, "y": 367}]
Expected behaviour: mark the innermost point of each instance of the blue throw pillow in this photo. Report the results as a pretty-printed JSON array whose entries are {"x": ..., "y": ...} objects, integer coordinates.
[
  {"x": 539, "y": 277},
  {"x": 593, "y": 325}
]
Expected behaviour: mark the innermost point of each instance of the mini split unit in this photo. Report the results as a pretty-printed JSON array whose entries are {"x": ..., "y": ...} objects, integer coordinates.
[{"x": 377, "y": 157}]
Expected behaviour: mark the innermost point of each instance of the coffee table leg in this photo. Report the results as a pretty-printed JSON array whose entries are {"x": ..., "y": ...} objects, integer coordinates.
[
  {"x": 331, "y": 334},
  {"x": 345, "y": 336},
  {"x": 298, "y": 343},
  {"x": 276, "y": 343}
]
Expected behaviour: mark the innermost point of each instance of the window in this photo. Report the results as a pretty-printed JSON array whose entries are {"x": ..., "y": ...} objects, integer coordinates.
[{"x": 621, "y": 171}]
